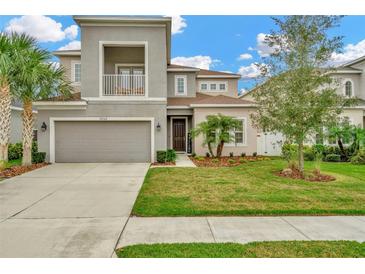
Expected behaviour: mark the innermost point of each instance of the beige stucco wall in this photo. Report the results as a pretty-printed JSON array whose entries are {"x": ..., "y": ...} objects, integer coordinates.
[
  {"x": 251, "y": 145},
  {"x": 356, "y": 116},
  {"x": 66, "y": 62},
  {"x": 232, "y": 84},
  {"x": 190, "y": 79},
  {"x": 340, "y": 80},
  {"x": 16, "y": 126},
  {"x": 361, "y": 91},
  {"x": 122, "y": 55},
  {"x": 156, "y": 50}
]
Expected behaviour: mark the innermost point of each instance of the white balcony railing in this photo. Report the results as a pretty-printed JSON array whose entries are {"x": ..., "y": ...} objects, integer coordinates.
[{"x": 123, "y": 85}]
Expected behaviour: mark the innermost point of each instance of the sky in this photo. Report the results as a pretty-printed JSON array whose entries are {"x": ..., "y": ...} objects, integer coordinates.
[{"x": 224, "y": 43}]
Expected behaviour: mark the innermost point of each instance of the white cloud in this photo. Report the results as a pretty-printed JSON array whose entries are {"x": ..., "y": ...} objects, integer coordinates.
[
  {"x": 242, "y": 91},
  {"x": 245, "y": 56},
  {"x": 43, "y": 28},
  {"x": 178, "y": 24},
  {"x": 249, "y": 72},
  {"x": 199, "y": 61},
  {"x": 262, "y": 48},
  {"x": 71, "y": 32},
  {"x": 73, "y": 45},
  {"x": 350, "y": 52}
]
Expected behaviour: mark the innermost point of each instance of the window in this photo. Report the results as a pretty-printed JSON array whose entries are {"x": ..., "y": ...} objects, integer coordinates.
[
  {"x": 348, "y": 88},
  {"x": 213, "y": 86},
  {"x": 222, "y": 86},
  {"x": 180, "y": 85},
  {"x": 76, "y": 72},
  {"x": 203, "y": 86},
  {"x": 239, "y": 134}
]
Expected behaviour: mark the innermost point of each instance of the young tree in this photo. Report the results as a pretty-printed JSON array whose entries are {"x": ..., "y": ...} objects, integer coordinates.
[
  {"x": 216, "y": 130},
  {"x": 37, "y": 79},
  {"x": 300, "y": 97}
]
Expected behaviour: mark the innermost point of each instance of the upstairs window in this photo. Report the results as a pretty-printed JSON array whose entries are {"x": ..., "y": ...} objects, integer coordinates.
[
  {"x": 348, "y": 89},
  {"x": 180, "y": 85},
  {"x": 216, "y": 86},
  {"x": 203, "y": 86},
  {"x": 76, "y": 72}
]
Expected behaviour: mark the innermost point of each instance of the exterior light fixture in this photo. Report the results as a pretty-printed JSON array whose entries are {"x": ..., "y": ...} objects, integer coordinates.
[
  {"x": 43, "y": 127},
  {"x": 158, "y": 126}
]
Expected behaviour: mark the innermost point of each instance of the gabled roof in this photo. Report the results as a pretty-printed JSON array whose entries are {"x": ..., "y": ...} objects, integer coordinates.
[
  {"x": 353, "y": 62},
  {"x": 204, "y": 73},
  {"x": 174, "y": 67},
  {"x": 67, "y": 52}
]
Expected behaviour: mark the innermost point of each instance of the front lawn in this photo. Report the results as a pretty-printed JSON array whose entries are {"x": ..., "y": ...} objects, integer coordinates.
[
  {"x": 250, "y": 189},
  {"x": 281, "y": 249}
]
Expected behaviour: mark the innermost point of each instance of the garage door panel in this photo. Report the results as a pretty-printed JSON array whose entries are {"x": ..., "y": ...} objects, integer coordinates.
[{"x": 105, "y": 141}]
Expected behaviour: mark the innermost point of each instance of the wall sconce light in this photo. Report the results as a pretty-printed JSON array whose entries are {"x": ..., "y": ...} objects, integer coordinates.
[
  {"x": 158, "y": 126},
  {"x": 43, "y": 127}
]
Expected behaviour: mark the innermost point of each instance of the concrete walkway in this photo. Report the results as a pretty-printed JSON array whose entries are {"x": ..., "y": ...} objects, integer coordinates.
[
  {"x": 183, "y": 160},
  {"x": 67, "y": 210},
  {"x": 241, "y": 229}
]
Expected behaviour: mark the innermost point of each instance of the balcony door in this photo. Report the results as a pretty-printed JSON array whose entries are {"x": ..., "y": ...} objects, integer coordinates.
[{"x": 131, "y": 80}]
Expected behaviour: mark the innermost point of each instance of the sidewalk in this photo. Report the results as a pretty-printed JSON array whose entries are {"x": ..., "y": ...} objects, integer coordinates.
[{"x": 241, "y": 229}]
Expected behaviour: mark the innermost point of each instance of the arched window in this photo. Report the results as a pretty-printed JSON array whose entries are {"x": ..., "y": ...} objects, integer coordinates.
[{"x": 348, "y": 88}]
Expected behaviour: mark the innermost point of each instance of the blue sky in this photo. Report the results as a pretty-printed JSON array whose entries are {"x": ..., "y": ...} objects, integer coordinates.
[{"x": 214, "y": 42}]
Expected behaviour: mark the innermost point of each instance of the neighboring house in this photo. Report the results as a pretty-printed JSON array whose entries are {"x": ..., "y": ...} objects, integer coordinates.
[
  {"x": 129, "y": 101},
  {"x": 351, "y": 82}
]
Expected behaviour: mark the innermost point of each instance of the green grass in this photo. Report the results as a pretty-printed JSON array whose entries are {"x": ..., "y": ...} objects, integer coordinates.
[
  {"x": 250, "y": 189},
  {"x": 281, "y": 249}
]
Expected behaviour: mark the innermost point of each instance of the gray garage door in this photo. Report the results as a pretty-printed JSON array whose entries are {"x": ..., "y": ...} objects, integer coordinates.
[{"x": 102, "y": 142}]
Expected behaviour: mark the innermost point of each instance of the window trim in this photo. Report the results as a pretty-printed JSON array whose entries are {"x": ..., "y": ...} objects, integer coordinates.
[
  {"x": 352, "y": 85},
  {"x": 73, "y": 72},
  {"x": 217, "y": 83},
  {"x": 244, "y": 128},
  {"x": 184, "y": 77}
]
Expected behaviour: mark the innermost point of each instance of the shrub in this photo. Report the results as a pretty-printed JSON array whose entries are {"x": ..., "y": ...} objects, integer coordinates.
[
  {"x": 289, "y": 151},
  {"x": 193, "y": 154},
  {"x": 242, "y": 160},
  {"x": 231, "y": 154},
  {"x": 34, "y": 147},
  {"x": 170, "y": 155},
  {"x": 333, "y": 158},
  {"x": 308, "y": 154},
  {"x": 254, "y": 154},
  {"x": 358, "y": 158},
  {"x": 243, "y": 154},
  {"x": 15, "y": 151},
  {"x": 207, "y": 154},
  {"x": 231, "y": 161},
  {"x": 161, "y": 156},
  {"x": 38, "y": 157},
  {"x": 318, "y": 149},
  {"x": 215, "y": 160},
  {"x": 199, "y": 158}
]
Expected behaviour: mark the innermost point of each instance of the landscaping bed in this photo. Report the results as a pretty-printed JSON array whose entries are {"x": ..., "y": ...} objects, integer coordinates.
[
  {"x": 225, "y": 161},
  {"x": 16, "y": 170},
  {"x": 314, "y": 176},
  {"x": 279, "y": 249},
  {"x": 253, "y": 188}
]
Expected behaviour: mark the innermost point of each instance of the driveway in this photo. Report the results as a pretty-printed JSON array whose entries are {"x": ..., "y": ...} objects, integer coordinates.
[{"x": 67, "y": 210}]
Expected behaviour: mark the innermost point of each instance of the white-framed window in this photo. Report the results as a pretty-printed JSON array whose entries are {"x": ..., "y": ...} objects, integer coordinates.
[
  {"x": 76, "y": 72},
  {"x": 216, "y": 86},
  {"x": 203, "y": 86},
  {"x": 180, "y": 85},
  {"x": 239, "y": 134},
  {"x": 348, "y": 89}
]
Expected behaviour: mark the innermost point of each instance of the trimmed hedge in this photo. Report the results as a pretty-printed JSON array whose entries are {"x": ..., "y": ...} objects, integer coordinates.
[
  {"x": 164, "y": 156},
  {"x": 333, "y": 158},
  {"x": 38, "y": 157},
  {"x": 15, "y": 151},
  {"x": 161, "y": 156}
]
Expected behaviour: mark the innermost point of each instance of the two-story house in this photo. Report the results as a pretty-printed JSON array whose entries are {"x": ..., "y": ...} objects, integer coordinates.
[
  {"x": 350, "y": 78},
  {"x": 129, "y": 101}
]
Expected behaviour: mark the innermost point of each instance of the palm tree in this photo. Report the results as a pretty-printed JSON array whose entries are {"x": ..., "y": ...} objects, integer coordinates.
[
  {"x": 37, "y": 79},
  {"x": 12, "y": 47},
  {"x": 342, "y": 134},
  {"x": 205, "y": 129}
]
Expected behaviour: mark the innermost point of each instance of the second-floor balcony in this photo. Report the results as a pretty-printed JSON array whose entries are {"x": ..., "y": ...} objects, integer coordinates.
[{"x": 124, "y": 85}]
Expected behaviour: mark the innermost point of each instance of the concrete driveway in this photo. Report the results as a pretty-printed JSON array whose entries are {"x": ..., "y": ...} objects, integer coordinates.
[{"x": 67, "y": 210}]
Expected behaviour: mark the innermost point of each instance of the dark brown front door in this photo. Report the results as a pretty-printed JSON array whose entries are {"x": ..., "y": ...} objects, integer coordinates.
[{"x": 178, "y": 134}]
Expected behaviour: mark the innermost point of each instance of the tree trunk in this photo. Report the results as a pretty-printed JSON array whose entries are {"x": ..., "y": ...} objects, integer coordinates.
[
  {"x": 5, "y": 117},
  {"x": 343, "y": 152},
  {"x": 300, "y": 157},
  {"x": 27, "y": 133},
  {"x": 220, "y": 149},
  {"x": 210, "y": 149}
]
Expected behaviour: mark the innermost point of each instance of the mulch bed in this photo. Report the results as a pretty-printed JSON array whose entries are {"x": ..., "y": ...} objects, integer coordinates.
[
  {"x": 315, "y": 176},
  {"x": 225, "y": 161},
  {"x": 163, "y": 164},
  {"x": 17, "y": 170}
]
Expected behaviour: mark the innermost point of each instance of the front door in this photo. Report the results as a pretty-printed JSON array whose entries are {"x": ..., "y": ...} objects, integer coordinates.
[{"x": 178, "y": 134}]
